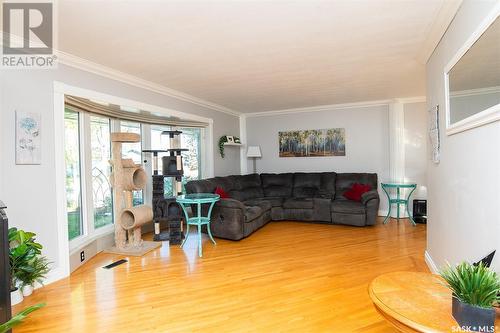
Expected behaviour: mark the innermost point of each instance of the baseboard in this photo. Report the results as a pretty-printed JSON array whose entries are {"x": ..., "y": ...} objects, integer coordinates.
[
  {"x": 55, "y": 274},
  {"x": 430, "y": 263}
]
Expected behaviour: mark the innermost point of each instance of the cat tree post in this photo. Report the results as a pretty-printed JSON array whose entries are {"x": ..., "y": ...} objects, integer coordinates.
[{"x": 127, "y": 177}]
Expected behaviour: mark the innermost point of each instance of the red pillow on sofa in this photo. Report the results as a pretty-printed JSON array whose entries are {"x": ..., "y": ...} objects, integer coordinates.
[
  {"x": 356, "y": 191},
  {"x": 221, "y": 192}
]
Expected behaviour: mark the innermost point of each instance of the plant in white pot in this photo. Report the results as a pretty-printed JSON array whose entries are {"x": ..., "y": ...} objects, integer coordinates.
[
  {"x": 23, "y": 251},
  {"x": 39, "y": 269},
  {"x": 475, "y": 290}
]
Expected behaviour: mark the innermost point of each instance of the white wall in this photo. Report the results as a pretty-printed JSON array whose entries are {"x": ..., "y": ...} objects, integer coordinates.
[
  {"x": 367, "y": 141},
  {"x": 416, "y": 155},
  {"x": 464, "y": 222},
  {"x": 29, "y": 190}
]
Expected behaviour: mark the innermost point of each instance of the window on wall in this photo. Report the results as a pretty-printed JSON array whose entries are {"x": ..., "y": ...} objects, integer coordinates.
[
  {"x": 102, "y": 197},
  {"x": 191, "y": 139},
  {"x": 87, "y": 155},
  {"x": 73, "y": 174},
  {"x": 159, "y": 141},
  {"x": 89, "y": 195},
  {"x": 133, "y": 150}
]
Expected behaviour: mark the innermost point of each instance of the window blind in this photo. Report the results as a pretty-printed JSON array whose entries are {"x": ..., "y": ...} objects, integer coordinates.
[{"x": 79, "y": 104}]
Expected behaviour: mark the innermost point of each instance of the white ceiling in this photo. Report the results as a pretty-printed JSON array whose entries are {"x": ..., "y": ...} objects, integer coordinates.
[{"x": 254, "y": 56}]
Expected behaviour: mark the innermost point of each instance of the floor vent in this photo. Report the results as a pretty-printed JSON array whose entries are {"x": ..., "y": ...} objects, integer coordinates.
[{"x": 116, "y": 263}]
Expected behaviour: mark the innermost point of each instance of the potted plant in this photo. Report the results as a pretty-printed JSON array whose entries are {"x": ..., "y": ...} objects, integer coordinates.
[
  {"x": 223, "y": 139},
  {"x": 40, "y": 267},
  {"x": 23, "y": 251},
  {"x": 18, "y": 318},
  {"x": 475, "y": 290}
]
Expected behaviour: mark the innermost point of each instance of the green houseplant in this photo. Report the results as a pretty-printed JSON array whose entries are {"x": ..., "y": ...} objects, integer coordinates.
[
  {"x": 18, "y": 318},
  {"x": 25, "y": 261},
  {"x": 223, "y": 140},
  {"x": 475, "y": 290},
  {"x": 39, "y": 269}
]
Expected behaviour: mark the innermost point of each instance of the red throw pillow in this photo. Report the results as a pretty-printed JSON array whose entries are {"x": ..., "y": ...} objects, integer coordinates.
[
  {"x": 356, "y": 191},
  {"x": 221, "y": 192}
]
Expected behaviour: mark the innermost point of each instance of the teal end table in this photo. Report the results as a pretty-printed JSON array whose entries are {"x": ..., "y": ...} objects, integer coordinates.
[
  {"x": 398, "y": 200},
  {"x": 198, "y": 199}
]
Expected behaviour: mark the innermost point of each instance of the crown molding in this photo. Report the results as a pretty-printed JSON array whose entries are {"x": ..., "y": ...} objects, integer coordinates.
[
  {"x": 92, "y": 67},
  {"x": 331, "y": 107},
  {"x": 95, "y": 68},
  {"x": 437, "y": 28}
]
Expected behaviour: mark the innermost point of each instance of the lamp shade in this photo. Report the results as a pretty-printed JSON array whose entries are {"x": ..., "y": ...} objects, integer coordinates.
[{"x": 254, "y": 151}]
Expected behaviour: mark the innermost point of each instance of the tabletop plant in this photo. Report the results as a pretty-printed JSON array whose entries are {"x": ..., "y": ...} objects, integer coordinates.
[{"x": 475, "y": 290}]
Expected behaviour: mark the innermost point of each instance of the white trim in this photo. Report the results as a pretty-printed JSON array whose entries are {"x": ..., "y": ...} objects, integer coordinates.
[
  {"x": 243, "y": 138},
  {"x": 486, "y": 116},
  {"x": 92, "y": 67},
  {"x": 102, "y": 232},
  {"x": 62, "y": 270},
  {"x": 61, "y": 89},
  {"x": 430, "y": 263},
  {"x": 437, "y": 28},
  {"x": 331, "y": 107},
  {"x": 475, "y": 92}
]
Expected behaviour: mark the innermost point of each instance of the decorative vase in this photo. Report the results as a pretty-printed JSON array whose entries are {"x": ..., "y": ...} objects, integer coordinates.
[
  {"x": 16, "y": 296},
  {"x": 474, "y": 318},
  {"x": 27, "y": 290}
]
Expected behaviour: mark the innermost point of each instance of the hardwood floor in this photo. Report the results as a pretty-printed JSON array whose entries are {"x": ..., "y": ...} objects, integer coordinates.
[{"x": 287, "y": 277}]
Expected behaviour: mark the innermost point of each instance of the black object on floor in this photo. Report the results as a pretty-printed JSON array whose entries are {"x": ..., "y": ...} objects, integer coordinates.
[
  {"x": 5, "y": 309},
  {"x": 420, "y": 211},
  {"x": 116, "y": 263}
]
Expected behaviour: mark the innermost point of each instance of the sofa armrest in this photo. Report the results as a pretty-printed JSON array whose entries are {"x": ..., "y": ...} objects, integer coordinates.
[
  {"x": 370, "y": 195},
  {"x": 231, "y": 203}
]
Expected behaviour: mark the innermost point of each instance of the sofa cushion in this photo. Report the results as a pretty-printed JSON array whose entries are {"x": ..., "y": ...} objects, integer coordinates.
[
  {"x": 252, "y": 212},
  {"x": 200, "y": 186},
  {"x": 246, "y": 194},
  {"x": 247, "y": 181},
  {"x": 277, "y": 185},
  {"x": 327, "y": 188},
  {"x": 263, "y": 204},
  {"x": 298, "y": 203},
  {"x": 305, "y": 185},
  {"x": 344, "y": 182},
  {"x": 348, "y": 206},
  {"x": 274, "y": 201}
]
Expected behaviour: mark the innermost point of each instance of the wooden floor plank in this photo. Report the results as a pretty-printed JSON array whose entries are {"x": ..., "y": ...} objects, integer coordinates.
[{"x": 287, "y": 277}]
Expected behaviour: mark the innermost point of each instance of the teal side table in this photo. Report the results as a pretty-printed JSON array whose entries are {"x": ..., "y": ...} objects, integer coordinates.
[
  {"x": 398, "y": 200},
  {"x": 198, "y": 199}
]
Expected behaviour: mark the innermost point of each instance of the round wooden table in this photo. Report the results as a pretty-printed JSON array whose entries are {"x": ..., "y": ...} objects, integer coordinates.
[{"x": 414, "y": 302}]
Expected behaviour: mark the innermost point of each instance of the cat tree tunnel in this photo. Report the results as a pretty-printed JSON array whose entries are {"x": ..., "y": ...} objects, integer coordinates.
[{"x": 126, "y": 178}]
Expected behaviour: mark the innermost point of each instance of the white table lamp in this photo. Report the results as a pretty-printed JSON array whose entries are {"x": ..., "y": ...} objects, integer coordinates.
[{"x": 254, "y": 153}]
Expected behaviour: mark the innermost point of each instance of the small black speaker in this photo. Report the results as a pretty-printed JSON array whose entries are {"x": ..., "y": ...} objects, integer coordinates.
[{"x": 420, "y": 211}]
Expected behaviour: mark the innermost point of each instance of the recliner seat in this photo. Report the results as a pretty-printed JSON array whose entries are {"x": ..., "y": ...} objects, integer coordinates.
[{"x": 258, "y": 199}]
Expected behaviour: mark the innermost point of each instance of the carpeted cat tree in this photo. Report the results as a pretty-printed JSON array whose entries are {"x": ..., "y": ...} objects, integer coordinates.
[{"x": 127, "y": 177}]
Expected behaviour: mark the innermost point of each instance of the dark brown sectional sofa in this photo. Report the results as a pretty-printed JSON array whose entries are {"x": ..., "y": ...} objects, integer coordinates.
[{"x": 256, "y": 199}]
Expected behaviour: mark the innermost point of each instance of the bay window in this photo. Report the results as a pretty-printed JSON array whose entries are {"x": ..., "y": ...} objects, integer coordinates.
[{"x": 89, "y": 195}]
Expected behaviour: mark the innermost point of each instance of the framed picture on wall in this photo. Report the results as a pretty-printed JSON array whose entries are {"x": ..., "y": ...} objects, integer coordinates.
[
  {"x": 312, "y": 143},
  {"x": 28, "y": 138}
]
